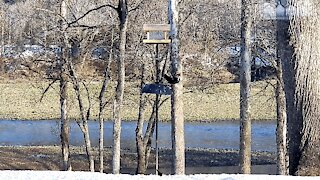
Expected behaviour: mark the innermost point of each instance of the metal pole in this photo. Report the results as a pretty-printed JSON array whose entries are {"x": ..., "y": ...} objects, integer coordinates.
[{"x": 157, "y": 107}]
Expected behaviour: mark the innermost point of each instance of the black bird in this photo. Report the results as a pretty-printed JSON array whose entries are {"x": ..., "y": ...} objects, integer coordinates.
[
  {"x": 172, "y": 80},
  {"x": 159, "y": 173}
]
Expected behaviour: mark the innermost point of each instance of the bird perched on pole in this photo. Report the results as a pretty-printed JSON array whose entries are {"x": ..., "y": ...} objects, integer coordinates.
[{"x": 172, "y": 79}]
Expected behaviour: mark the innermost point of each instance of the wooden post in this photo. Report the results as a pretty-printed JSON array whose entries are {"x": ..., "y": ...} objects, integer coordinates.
[{"x": 177, "y": 118}]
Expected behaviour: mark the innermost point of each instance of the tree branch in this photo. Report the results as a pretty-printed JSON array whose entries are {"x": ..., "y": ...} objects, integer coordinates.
[
  {"x": 138, "y": 6},
  {"x": 46, "y": 90},
  {"x": 91, "y": 10}
]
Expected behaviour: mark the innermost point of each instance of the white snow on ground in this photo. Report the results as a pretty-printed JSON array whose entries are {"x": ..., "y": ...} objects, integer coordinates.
[{"x": 57, "y": 175}]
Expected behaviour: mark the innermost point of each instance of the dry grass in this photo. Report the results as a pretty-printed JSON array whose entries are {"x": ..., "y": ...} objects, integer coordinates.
[{"x": 21, "y": 100}]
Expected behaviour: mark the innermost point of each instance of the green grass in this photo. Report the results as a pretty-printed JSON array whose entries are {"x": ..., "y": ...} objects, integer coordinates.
[{"x": 21, "y": 100}]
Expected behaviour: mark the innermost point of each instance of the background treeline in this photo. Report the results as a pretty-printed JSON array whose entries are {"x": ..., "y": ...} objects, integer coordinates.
[{"x": 209, "y": 32}]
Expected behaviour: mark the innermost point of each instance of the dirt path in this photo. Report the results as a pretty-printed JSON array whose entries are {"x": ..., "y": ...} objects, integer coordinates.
[{"x": 48, "y": 158}]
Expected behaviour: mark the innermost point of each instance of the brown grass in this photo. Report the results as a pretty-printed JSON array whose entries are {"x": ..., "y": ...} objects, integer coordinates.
[{"x": 21, "y": 100}]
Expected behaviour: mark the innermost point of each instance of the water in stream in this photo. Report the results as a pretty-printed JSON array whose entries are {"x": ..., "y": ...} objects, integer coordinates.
[{"x": 219, "y": 135}]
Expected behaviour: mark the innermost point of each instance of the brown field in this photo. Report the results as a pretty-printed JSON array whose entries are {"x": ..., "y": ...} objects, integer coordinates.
[{"x": 21, "y": 100}]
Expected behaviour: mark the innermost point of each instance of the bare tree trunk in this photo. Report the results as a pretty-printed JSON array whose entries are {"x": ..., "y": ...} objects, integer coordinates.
[
  {"x": 101, "y": 124},
  {"x": 141, "y": 164},
  {"x": 2, "y": 40},
  {"x": 65, "y": 127},
  {"x": 286, "y": 55},
  {"x": 2, "y": 31},
  {"x": 10, "y": 31},
  {"x": 143, "y": 142},
  {"x": 281, "y": 136},
  {"x": 282, "y": 43},
  {"x": 302, "y": 77},
  {"x": 102, "y": 103},
  {"x": 177, "y": 116},
  {"x": 84, "y": 116},
  {"x": 83, "y": 124},
  {"x": 88, "y": 145},
  {"x": 85, "y": 129},
  {"x": 123, "y": 15},
  {"x": 286, "y": 81},
  {"x": 245, "y": 80}
]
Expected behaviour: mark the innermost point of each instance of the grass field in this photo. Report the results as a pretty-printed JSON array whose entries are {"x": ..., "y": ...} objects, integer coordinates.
[{"x": 21, "y": 100}]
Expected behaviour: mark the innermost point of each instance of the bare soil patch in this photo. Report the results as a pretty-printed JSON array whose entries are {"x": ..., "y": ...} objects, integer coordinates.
[{"x": 49, "y": 158}]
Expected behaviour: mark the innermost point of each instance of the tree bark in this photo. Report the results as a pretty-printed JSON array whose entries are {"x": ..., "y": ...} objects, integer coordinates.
[
  {"x": 65, "y": 127},
  {"x": 74, "y": 44},
  {"x": 141, "y": 164},
  {"x": 102, "y": 103},
  {"x": 2, "y": 31},
  {"x": 143, "y": 141},
  {"x": 281, "y": 132},
  {"x": 177, "y": 116},
  {"x": 87, "y": 141},
  {"x": 101, "y": 120},
  {"x": 286, "y": 55},
  {"x": 83, "y": 124},
  {"x": 245, "y": 80},
  {"x": 302, "y": 77},
  {"x": 123, "y": 15}
]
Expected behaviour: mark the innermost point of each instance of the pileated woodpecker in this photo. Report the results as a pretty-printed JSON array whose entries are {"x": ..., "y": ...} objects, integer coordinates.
[{"x": 172, "y": 80}]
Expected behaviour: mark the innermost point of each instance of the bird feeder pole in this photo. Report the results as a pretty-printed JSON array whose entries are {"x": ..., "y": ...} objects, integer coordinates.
[{"x": 157, "y": 34}]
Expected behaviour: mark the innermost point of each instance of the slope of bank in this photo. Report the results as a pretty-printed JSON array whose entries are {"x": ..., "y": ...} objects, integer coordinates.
[
  {"x": 27, "y": 100},
  {"x": 197, "y": 160}
]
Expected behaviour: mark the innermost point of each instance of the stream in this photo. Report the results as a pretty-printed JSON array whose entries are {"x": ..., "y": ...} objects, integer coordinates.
[{"x": 218, "y": 135}]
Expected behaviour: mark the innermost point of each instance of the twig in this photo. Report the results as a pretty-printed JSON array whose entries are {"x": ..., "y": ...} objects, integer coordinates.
[
  {"x": 47, "y": 89},
  {"x": 91, "y": 10}
]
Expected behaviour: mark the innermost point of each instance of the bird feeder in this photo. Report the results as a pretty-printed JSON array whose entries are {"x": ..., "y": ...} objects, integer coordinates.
[
  {"x": 159, "y": 89},
  {"x": 157, "y": 33}
]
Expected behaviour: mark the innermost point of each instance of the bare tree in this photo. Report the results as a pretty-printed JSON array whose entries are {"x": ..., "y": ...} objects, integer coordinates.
[
  {"x": 177, "y": 116},
  {"x": 85, "y": 114},
  {"x": 143, "y": 140},
  {"x": 301, "y": 79},
  {"x": 2, "y": 24},
  {"x": 71, "y": 46},
  {"x": 282, "y": 53},
  {"x": 245, "y": 79},
  {"x": 65, "y": 127},
  {"x": 122, "y": 11},
  {"x": 102, "y": 102}
]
